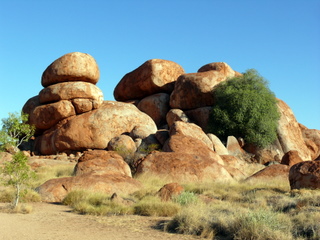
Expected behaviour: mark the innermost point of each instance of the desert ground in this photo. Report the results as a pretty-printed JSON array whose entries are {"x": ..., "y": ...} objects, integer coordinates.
[{"x": 53, "y": 221}]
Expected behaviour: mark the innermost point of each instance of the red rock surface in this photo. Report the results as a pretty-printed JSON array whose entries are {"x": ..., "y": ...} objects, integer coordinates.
[
  {"x": 169, "y": 191},
  {"x": 291, "y": 158},
  {"x": 153, "y": 76},
  {"x": 305, "y": 175},
  {"x": 74, "y": 66}
]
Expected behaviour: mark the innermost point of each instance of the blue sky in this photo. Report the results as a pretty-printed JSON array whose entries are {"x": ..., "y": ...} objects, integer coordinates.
[{"x": 279, "y": 38}]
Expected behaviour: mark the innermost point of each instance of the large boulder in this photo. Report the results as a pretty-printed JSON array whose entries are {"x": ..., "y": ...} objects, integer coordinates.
[
  {"x": 102, "y": 162},
  {"x": 153, "y": 76},
  {"x": 74, "y": 66},
  {"x": 156, "y": 106},
  {"x": 305, "y": 175},
  {"x": 55, "y": 190},
  {"x": 46, "y": 116},
  {"x": 291, "y": 158},
  {"x": 94, "y": 129},
  {"x": 194, "y": 90},
  {"x": 289, "y": 132},
  {"x": 190, "y": 145},
  {"x": 191, "y": 130},
  {"x": 69, "y": 91},
  {"x": 183, "y": 167},
  {"x": 221, "y": 67},
  {"x": 311, "y": 137},
  {"x": 123, "y": 144}
]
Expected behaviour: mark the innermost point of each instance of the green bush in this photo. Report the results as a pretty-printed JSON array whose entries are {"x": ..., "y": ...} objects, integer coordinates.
[{"x": 245, "y": 107}]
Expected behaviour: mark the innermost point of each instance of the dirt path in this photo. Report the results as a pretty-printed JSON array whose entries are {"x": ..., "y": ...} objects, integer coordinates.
[{"x": 52, "y": 222}]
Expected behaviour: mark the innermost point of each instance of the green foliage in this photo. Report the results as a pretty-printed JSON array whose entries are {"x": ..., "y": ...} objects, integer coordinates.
[
  {"x": 15, "y": 130},
  {"x": 245, "y": 107},
  {"x": 186, "y": 198},
  {"x": 17, "y": 173}
]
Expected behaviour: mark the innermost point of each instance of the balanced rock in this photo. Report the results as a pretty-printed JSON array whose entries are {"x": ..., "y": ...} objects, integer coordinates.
[
  {"x": 182, "y": 167},
  {"x": 156, "y": 106},
  {"x": 221, "y": 67},
  {"x": 305, "y": 175},
  {"x": 289, "y": 132},
  {"x": 69, "y": 91},
  {"x": 153, "y": 76},
  {"x": 94, "y": 129},
  {"x": 74, "y": 66}
]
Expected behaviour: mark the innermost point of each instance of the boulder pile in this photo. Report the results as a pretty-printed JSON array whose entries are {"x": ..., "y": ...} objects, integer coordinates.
[{"x": 158, "y": 107}]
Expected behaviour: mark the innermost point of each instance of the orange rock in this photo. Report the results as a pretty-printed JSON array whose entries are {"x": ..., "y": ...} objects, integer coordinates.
[
  {"x": 153, "y": 76},
  {"x": 305, "y": 175},
  {"x": 170, "y": 190},
  {"x": 273, "y": 171},
  {"x": 290, "y": 158},
  {"x": 74, "y": 66}
]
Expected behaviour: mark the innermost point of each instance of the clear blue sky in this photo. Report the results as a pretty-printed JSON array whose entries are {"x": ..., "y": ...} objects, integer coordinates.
[{"x": 279, "y": 38}]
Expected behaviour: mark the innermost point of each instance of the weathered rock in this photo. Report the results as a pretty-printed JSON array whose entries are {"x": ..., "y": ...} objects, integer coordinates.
[
  {"x": 31, "y": 104},
  {"x": 123, "y": 144},
  {"x": 192, "y": 130},
  {"x": 46, "y": 116},
  {"x": 233, "y": 147},
  {"x": 305, "y": 175},
  {"x": 271, "y": 153},
  {"x": 156, "y": 106},
  {"x": 74, "y": 66},
  {"x": 101, "y": 162},
  {"x": 314, "y": 136},
  {"x": 279, "y": 171},
  {"x": 195, "y": 90},
  {"x": 169, "y": 191},
  {"x": 200, "y": 116},
  {"x": 185, "y": 144},
  {"x": 221, "y": 67},
  {"x": 83, "y": 105},
  {"x": 94, "y": 129},
  {"x": 69, "y": 91},
  {"x": 291, "y": 158},
  {"x": 55, "y": 190},
  {"x": 218, "y": 146},
  {"x": 176, "y": 115},
  {"x": 153, "y": 76},
  {"x": 182, "y": 167},
  {"x": 289, "y": 132},
  {"x": 238, "y": 168}
]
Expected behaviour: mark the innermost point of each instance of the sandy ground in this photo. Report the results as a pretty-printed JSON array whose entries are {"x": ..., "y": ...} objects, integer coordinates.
[{"x": 50, "y": 222}]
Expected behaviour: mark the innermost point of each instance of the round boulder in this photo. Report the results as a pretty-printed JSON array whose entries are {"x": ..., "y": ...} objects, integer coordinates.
[{"x": 74, "y": 66}]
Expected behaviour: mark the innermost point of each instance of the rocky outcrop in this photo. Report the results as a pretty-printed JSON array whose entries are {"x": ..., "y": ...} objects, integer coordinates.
[
  {"x": 74, "y": 66},
  {"x": 192, "y": 130},
  {"x": 154, "y": 76},
  {"x": 185, "y": 144},
  {"x": 194, "y": 90},
  {"x": 94, "y": 129},
  {"x": 156, "y": 106},
  {"x": 182, "y": 167},
  {"x": 312, "y": 139},
  {"x": 69, "y": 90},
  {"x": 305, "y": 175},
  {"x": 97, "y": 170},
  {"x": 289, "y": 132}
]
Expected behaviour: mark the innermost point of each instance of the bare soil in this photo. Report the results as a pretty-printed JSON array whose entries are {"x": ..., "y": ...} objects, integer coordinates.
[{"x": 52, "y": 221}]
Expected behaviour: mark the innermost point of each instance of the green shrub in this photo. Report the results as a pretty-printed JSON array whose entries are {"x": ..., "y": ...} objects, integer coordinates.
[
  {"x": 245, "y": 107},
  {"x": 186, "y": 198}
]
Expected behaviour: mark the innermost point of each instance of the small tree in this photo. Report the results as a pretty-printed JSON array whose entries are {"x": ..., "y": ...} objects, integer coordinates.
[
  {"x": 17, "y": 173},
  {"x": 245, "y": 107},
  {"x": 15, "y": 130}
]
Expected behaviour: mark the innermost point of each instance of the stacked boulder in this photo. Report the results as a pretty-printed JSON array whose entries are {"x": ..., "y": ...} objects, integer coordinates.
[{"x": 70, "y": 115}]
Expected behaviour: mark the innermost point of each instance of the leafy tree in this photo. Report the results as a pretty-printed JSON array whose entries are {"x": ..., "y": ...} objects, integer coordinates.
[
  {"x": 17, "y": 173},
  {"x": 245, "y": 107},
  {"x": 15, "y": 130}
]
